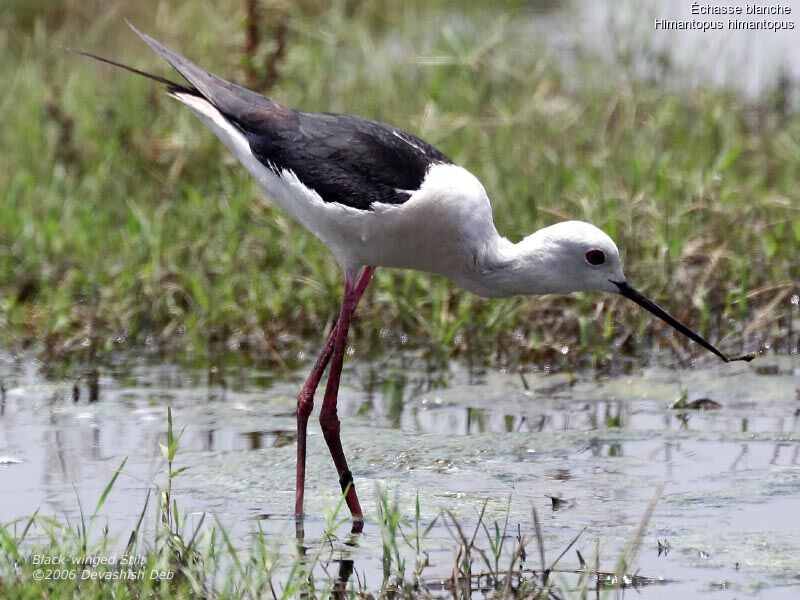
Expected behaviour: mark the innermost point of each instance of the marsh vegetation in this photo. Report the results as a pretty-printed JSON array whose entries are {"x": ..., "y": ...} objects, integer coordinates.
[{"x": 125, "y": 225}]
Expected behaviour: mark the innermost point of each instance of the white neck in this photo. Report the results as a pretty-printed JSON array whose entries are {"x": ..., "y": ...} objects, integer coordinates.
[{"x": 503, "y": 268}]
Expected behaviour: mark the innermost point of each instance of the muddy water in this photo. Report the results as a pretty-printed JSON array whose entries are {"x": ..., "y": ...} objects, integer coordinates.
[{"x": 731, "y": 476}]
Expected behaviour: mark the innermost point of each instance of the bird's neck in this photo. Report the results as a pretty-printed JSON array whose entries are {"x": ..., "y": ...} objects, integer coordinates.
[{"x": 502, "y": 268}]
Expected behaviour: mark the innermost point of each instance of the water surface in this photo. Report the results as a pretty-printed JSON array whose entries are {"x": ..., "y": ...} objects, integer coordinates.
[{"x": 731, "y": 476}]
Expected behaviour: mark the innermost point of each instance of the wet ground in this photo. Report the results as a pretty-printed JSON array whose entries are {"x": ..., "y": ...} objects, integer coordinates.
[{"x": 730, "y": 476}]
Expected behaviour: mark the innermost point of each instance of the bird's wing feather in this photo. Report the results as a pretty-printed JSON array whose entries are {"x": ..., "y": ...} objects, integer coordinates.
[
  {"x": 345, "y": 159},
  {"x": 224, "y": 95}
]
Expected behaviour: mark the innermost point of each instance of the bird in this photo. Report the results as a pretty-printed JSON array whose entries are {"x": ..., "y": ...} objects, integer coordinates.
[{"x": 379, "y": 196}]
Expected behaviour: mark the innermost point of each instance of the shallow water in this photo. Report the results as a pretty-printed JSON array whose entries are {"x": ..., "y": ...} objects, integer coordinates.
[{"x": 731, "y": 476}]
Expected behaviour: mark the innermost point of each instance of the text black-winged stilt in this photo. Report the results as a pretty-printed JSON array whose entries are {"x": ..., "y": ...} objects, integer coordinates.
[{"x": 381, "y": 197}]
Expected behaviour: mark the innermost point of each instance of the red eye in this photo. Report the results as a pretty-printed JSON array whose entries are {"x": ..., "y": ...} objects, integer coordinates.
[{"x": 595, "y": 257}]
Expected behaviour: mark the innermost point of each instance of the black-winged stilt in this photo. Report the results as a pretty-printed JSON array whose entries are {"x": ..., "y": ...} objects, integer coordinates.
[{"x": 381, "y": 197}]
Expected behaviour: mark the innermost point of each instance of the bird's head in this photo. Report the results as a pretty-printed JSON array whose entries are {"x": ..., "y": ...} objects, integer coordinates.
[{"x": 574, "y": 256}]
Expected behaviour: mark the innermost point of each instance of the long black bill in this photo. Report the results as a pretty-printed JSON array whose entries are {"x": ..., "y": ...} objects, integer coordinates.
[{"x": 645, "y": 302}]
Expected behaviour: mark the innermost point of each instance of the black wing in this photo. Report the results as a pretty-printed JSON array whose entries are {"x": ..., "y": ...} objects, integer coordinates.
[{"x": 345, "y": 159}]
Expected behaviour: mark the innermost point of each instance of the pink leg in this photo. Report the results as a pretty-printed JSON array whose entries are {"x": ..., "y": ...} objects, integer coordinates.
[
  {"x": 305, "y": 399},
  {"x": 328, "y": 418}
]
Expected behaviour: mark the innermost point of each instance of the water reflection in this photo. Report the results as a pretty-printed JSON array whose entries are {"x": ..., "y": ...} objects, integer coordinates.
[{"x": 572, "y": 438}]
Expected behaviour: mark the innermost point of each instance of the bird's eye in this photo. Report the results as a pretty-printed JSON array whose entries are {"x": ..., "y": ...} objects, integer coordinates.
[{"x": 595, "y": 257}]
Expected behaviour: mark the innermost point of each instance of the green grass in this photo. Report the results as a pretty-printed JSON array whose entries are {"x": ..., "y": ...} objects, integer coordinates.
[{"x": 124, "y": 223}]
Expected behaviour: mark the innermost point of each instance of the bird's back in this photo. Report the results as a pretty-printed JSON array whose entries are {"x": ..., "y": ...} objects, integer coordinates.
[
  {"x": 344, "y": 159},
  {"x": 373, "y": 193}
]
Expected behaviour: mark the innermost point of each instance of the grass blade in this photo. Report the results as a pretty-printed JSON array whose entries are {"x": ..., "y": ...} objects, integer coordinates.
[{"x": 108, "y": 488}]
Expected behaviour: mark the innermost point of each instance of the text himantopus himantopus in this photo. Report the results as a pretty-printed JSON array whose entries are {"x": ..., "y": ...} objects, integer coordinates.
[{"x": 381, "y": 197}]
